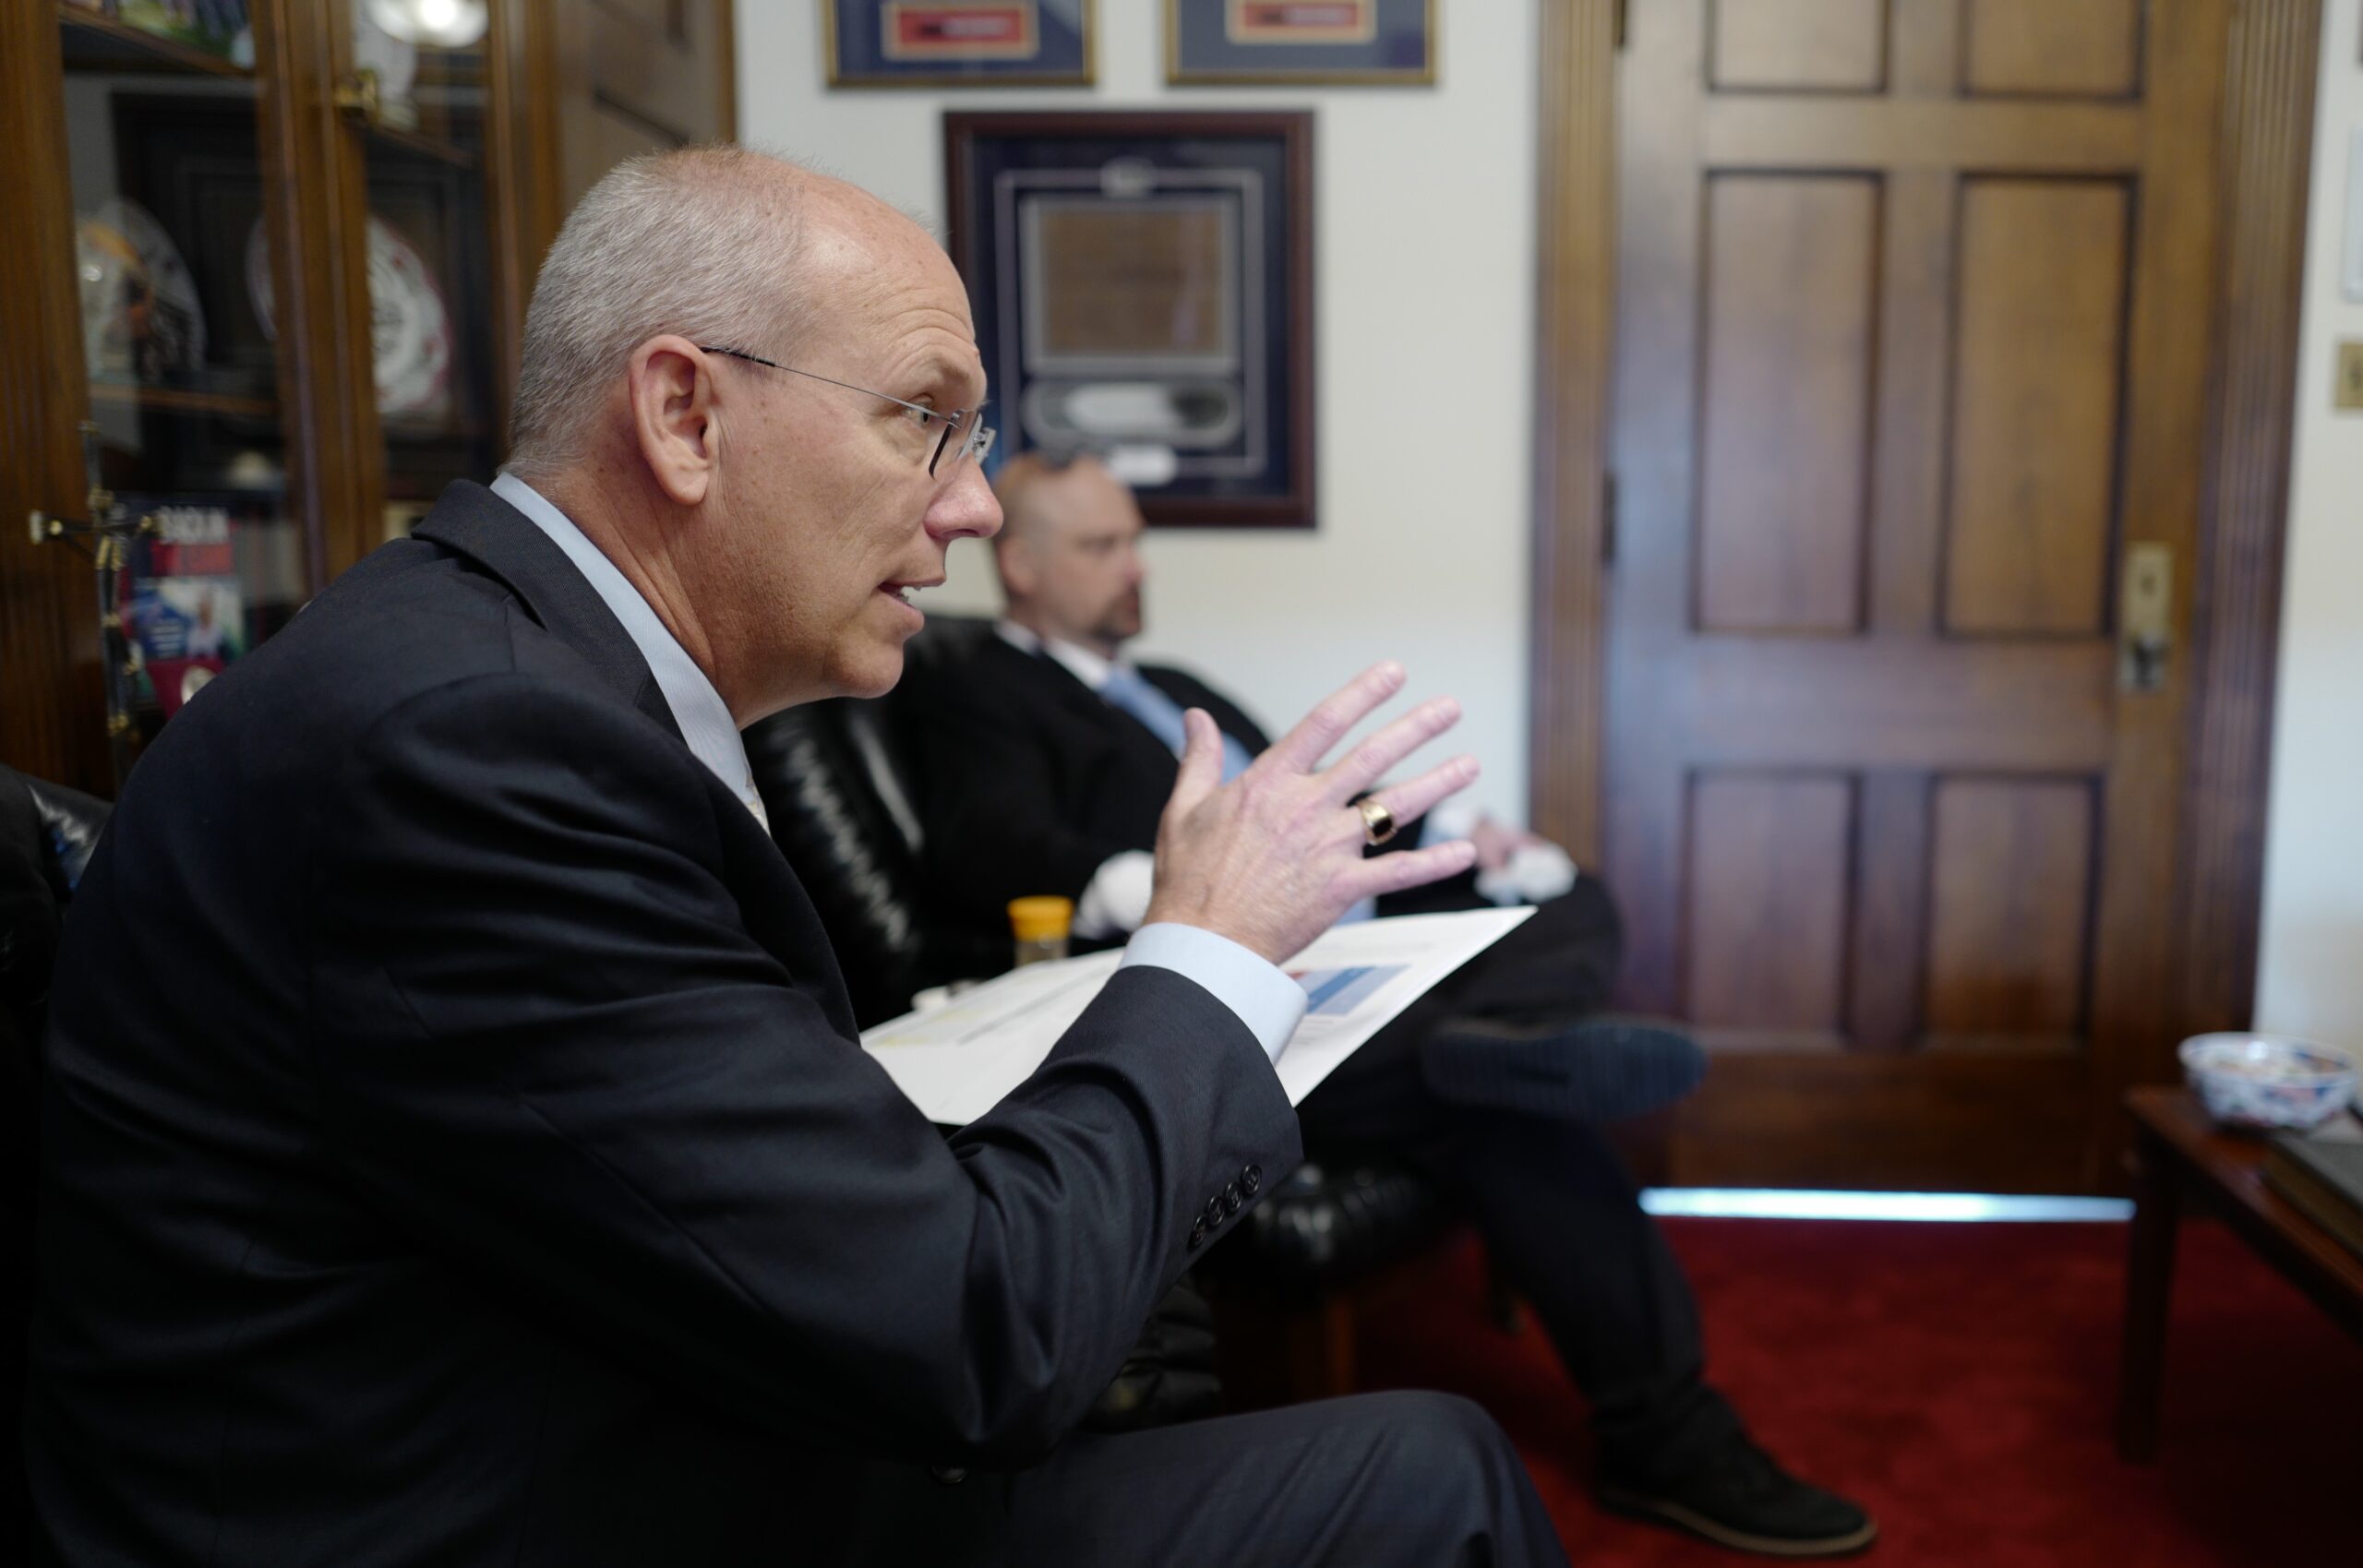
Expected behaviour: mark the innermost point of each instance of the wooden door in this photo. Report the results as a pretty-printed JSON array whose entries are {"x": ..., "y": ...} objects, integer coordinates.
[
  {"x": 598, "y": 81},
  {"x": 1913, "y": 320},
  {"x": 638, "y": 76}
]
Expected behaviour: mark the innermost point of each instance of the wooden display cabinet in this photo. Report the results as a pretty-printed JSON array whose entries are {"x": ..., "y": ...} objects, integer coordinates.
[{"x": 268, "y": 276}]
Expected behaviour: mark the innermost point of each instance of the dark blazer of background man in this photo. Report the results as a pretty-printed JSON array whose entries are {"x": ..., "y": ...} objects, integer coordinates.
[
  {"x": 1036, "y": 782},
  {"x": 1051, "y": 781},
  {"x": 455, "y": 1146}
]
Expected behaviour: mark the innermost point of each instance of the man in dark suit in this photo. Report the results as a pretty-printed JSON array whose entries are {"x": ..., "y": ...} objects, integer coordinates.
[
  {"x": 1047, "y": 759},
  {"x": 455, "y": 1146}
]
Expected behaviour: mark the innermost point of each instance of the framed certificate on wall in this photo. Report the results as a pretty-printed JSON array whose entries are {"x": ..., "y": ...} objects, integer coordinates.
[
  {"x": 958, "y": 43},
  {"x": 1142, "y": 285},
  {"x": 1319, "y": 43}
]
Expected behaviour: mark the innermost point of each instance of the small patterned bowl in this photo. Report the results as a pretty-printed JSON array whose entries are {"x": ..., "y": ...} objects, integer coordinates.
[{"x": 2268, "y": 1080}]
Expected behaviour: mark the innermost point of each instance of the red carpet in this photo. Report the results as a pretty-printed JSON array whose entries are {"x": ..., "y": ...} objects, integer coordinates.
[{"x": 1960, "y": 1381}]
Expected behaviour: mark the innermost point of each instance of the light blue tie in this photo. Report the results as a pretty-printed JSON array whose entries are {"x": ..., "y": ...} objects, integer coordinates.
[{"x": 1128, "y": 690}]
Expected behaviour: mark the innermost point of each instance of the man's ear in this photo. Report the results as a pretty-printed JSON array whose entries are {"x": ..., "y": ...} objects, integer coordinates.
[{"x": 672, "y": 395}]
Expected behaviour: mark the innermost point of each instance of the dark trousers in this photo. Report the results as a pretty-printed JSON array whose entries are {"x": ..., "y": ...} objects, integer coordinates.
[
  {"x": 1560, "y": 1216},
  {"x": 1380, "y": 1479}
]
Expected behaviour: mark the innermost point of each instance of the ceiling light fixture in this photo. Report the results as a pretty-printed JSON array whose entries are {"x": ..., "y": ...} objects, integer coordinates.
[{"x": 436, "y": 24}]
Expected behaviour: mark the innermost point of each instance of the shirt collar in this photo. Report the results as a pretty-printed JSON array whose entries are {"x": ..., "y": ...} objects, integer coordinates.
[
  {"x": 1080, "y": 662},
  {"x": 697, "y": 707}
]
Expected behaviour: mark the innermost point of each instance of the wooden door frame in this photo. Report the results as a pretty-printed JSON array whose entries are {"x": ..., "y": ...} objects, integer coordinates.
[
  {"x": 49, "y": 609},
  {"x": 2264, "y": 164}
]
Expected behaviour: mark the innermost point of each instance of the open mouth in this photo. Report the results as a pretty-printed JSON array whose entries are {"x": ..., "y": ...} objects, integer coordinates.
[{"x": 901, "y": 592}]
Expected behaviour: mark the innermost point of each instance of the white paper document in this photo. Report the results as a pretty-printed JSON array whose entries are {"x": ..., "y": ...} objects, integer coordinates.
[{"x": 957, "y": 1062}]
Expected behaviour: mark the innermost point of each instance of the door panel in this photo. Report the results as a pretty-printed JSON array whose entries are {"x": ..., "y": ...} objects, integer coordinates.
[
  {"x": 1767, "y": 901},
  {"x": 638, "y": 76},
  {"x": 2032, "y": 449},
  {"x": 2056, "y": 48},
  {"x": 1800, "y": 46},
  {"x": 1787, "y": 381},
  {"x": 2009, "y": 891},
  {"x": 1912, "y": 315}
]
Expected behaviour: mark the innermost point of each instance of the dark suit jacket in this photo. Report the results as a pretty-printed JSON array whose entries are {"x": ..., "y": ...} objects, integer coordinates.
[
  {"x": 1029, "y": 780},
  {"x": 455, "y": 1150}
]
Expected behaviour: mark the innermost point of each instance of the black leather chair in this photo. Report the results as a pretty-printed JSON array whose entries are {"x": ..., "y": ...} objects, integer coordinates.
[
  {"x": 836, "y": 780},
  {"x": 46, "y": 835}
]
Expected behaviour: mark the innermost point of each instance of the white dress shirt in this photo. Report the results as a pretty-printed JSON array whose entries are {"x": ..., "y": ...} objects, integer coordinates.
[
  {"x": 697, "y": 708},
  {"x": 1267, "y": 1000}
]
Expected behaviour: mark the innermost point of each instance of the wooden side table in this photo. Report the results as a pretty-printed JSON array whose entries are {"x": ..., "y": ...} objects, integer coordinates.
[{"x": 2180, "y": 1156}]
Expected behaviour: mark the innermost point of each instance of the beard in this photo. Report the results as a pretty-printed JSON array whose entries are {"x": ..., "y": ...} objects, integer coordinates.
[{"x": 1121, "y": 621}]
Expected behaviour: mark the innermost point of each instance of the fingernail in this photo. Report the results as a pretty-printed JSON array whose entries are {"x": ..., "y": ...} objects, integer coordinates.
[{"x": 1388, "y": 670}]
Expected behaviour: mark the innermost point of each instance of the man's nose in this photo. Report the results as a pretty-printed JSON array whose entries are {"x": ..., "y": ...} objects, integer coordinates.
[{"x": 966, "y": 509}]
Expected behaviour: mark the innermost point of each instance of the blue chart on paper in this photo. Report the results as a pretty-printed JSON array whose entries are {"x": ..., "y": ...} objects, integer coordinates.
[{"x": 1332, "y": 993}]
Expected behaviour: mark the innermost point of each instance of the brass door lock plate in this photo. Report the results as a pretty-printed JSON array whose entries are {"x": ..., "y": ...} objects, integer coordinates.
[
  {"x": 2145, "y": 617},
  {"x": 2348, "y": 393}
]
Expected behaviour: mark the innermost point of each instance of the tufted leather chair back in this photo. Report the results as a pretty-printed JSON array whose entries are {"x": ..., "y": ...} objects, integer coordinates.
[
  {"x": 835, "y": 779},
  {"x": 46, "y": 834}
]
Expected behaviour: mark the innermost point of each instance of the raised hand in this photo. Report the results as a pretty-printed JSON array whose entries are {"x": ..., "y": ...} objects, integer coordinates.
[{"x": 1271, "y": 859}]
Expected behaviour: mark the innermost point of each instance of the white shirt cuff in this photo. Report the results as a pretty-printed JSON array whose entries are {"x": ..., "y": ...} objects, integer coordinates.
[
  {"x": 1449, "y": 819},
  {"x": 1117, "y": 901},
  {"x": 1266, "y": 999},
  {"x": 1536, "y": 874}
]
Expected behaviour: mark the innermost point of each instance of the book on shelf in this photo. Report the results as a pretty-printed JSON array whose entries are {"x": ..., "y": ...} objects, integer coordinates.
[{"x": 2322, "y": 1174}]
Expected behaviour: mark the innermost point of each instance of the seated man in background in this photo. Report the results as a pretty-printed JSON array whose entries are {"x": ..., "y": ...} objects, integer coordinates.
[
  {"x": 455, "y": 1148},
  {"x": 1048, "y": 761}
]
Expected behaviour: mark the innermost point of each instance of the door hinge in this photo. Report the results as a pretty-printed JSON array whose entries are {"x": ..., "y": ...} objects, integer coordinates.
[{"x": 1607, "y": 520}]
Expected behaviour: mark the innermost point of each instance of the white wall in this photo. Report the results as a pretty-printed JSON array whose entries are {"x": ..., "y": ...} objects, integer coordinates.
[
  {"x": 2311, "y": 966},
  {"x": 1424, "y": 250}
]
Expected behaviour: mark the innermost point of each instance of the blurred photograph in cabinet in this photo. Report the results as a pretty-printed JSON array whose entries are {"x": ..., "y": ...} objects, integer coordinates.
[
  {"x": 425, "y": 138},
  {"x": 186, "y": 441}
]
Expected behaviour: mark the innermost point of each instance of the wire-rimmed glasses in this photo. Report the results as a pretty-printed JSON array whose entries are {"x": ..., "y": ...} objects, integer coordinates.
[{"x": 976, "y": 442}]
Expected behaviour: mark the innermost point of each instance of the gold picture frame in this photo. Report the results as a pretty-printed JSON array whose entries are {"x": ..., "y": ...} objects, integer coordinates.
[
  {"x": 1072, "y": 31},
  {"x": 1365, "y": 42}
]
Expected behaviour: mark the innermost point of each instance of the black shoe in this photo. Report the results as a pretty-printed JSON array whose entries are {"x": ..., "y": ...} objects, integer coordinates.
[
  {"x": 1599, "y": 1070},
  {"x": 1736, "y": 1496}
]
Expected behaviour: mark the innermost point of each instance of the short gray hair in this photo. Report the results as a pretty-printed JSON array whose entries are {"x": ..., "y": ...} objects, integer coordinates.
[{"x": 702, "y": 242}]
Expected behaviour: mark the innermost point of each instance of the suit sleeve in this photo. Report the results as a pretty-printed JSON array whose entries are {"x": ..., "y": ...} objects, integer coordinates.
[
  {"x": 993, "y": 800},
  {"x": 547, "y": 1044}
]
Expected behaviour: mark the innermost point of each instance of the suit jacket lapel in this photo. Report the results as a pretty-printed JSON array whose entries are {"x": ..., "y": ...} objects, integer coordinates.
[
  {"x": 472, "y": 519},
  {"x": 497, "y": 536},
  {"x": 1062, "y": 685},
  {"x": 1059, "y": 680}
]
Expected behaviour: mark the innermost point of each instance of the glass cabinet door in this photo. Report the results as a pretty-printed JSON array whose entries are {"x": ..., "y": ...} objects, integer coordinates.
[
  {"x": 416, "y": 93},
  {"x": 187, "y": 441}
]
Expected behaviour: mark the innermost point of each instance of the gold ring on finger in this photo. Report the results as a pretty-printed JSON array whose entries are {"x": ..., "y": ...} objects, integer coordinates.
[{"x": 1378, "y": 822}]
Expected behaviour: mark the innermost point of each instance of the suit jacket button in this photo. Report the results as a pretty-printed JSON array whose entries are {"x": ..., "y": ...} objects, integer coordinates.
[
  {"x": 1250, "y": 1179},
  {"x": 1230, "y": 1199},
  {"x": 948, "y": 1475},
  {"x": 1197, "y": 1234},
  {"x": 1213, "y": 1216}
]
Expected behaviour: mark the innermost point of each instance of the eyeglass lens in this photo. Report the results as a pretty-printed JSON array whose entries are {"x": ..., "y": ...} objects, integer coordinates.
[{"x": 976, "y": 440}]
